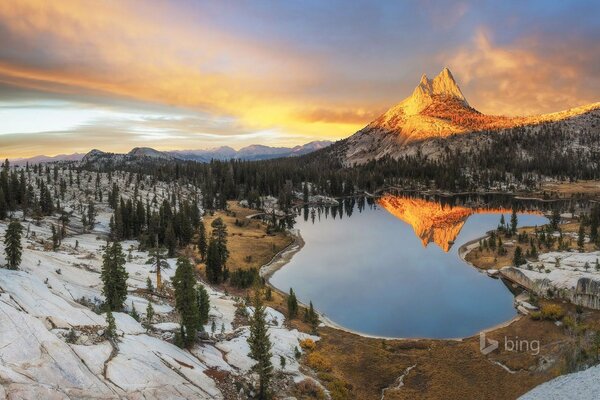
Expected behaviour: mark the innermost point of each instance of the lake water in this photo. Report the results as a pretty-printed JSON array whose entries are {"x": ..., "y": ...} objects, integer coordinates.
[{"x": 370, "y": 271}]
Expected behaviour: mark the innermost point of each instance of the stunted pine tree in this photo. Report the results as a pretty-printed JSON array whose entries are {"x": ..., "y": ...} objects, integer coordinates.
[
  {"x": 114, "y": 277},
  {"x": 260, "y": 346},
  {"x": 12, "y": 244},
  {"x": 186, "y": 300}
]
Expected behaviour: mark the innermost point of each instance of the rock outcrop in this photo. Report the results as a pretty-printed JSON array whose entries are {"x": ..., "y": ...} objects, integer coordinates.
[{"x": 574, "y": 279}]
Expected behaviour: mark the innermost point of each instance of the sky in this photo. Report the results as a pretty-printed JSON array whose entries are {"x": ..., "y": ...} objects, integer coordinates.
[{"x": 112, "y": 75}]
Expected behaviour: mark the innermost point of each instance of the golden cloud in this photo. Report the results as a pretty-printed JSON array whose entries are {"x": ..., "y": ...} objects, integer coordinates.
[
  {"x": 517, "y": 79},
  {"x": 112, "y": 49}
]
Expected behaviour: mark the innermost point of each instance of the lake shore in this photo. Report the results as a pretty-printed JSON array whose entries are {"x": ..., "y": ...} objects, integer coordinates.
[{"x": 439, "y": 359}]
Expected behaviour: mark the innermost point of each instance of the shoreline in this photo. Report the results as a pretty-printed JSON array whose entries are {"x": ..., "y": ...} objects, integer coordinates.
[{"x": 284, "y": 256}]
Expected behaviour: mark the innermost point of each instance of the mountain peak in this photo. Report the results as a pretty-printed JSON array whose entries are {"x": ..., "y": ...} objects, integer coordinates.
[{"x": 444, "y": 84}]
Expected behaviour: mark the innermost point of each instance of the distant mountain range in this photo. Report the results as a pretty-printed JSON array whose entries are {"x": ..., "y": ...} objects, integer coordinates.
[
  {"x": 250, "y": 153},
  {"x": 437, "y": 118}
]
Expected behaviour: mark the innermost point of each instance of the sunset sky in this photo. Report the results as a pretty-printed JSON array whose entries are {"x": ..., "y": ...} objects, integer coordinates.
[{"x": 77, "y": 75}]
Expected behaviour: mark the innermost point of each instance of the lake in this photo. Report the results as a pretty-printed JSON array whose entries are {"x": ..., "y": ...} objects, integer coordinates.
[{"x": 392, "y": 269}]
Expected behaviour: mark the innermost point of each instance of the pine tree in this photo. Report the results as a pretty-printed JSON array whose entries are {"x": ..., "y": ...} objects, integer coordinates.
[
  {"x": 214, "y": 265},
  {"x": 158, "y": 258},
  {"x": 202, "y": 243},
  {"x": 219, "y": 234},
  {"x": 149, "y": 285},
  {"x": 313, "y": 318},
  {"x": 55, "y": 238},
  {"x": 518, "y": 259},
  {"x": 186, "y": 300},
  {"x": 260, "y": 346},
  {"x": 292, "y": 305},
  {"x": 111, "y": 329},
  {"x": 12, "y": 244},
  {"x": 203, "y": 305},
  {"x": 91, "y": 215},
  {"x": 514, "y": 222},
  {"x": 170, "y": 239},
  {"x": 581, "y": 237},
  {"x": 114, "y": 277},
  {"x": 3, "y": 205},
  {"x": 149, "y": 313},
  {"x": 134, "y": 314}
]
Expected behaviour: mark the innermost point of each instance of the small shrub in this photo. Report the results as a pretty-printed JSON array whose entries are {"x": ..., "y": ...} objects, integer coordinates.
[
  {"x": 308, "y": 345},
  {"x": 536, "y": 315},
  {"x": 552, "y": 312},
  {"x": 309, "y": 389}
]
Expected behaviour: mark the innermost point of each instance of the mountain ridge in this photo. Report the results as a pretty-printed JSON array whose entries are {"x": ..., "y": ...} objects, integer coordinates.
[
  {"x": 251, "y": 152},
  {"x": 437, "y": 109}
]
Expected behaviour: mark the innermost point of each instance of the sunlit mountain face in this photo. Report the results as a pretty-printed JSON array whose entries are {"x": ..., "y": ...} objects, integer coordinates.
[{"x": 435, "y": 222}]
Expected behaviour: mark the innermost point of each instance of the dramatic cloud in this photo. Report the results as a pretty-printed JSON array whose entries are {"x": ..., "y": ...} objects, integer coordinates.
[
  {"x": 193, "y": 74},
  {"x": 526, "y": 77}
]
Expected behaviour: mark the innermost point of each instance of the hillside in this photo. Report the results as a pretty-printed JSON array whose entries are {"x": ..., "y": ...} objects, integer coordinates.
[{"x": 437, "y": 110}]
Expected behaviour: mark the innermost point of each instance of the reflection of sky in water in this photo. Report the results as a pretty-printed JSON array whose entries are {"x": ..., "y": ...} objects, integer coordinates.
[{"x": 370, "y": 273}]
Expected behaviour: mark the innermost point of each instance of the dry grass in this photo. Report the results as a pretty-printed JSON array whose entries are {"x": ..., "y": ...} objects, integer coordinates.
[
  {"x": 572, "y": 189},
  {"x": 249, "y": 245}
]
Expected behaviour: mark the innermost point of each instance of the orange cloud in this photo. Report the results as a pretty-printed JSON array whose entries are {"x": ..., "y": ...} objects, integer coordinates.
[
  {"x": 110, "y": 48},
  {"x": 517, "y": 79}
]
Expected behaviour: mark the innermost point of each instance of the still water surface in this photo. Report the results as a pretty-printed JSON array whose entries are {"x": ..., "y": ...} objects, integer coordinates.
[{"x": 369, "y": 272}]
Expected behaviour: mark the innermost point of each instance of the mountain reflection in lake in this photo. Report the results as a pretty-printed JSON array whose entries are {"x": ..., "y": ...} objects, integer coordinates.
[{"x": 369, "y": 267}]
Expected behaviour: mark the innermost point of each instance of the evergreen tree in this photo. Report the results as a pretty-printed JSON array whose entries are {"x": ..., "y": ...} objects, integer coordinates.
[
  {"x": 149, "y": 313},
  {"x": 91, "y": 215},
  {"x": 203, "y": 305},
  {"x": 114, "y": 277},
  {"x": 158, "y": 258},
  {"x": 514, "y": 222},
  {"x": 260, "y": 347},
  {"x": 518, "y": 258},
  {"x": 292, "y": 305},
  {"x": 214, "y": 266},
  {"x": 149, "y": 285},
  {"x": 581, "y": 237},
  {"x": 219, "y": 234},
  {"x": 134, "y": 314},
  {"x": 55, "y": 238},
  {"x": 555, "y": 218},
  {"x": 313, "y": 318},
  {"x": 3, "y": 205},
  {"x": 170, "y": 239},
  {"x": 111, "y": 329},
  {"x": 202, "y": 243},
  {"x": 186, "y": 300},
  {"x": 12, "y": 244}
]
